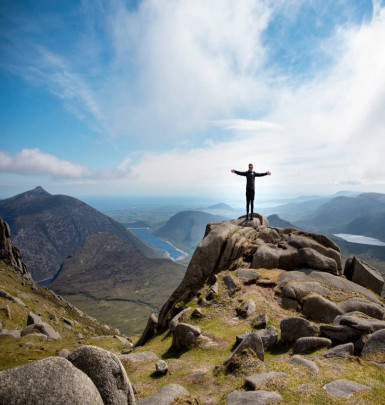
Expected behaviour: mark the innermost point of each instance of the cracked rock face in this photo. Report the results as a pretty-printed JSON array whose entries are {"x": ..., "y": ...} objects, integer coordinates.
[
  {"x": 257, "y": 245},
  {"x": 323, "y": 296}
]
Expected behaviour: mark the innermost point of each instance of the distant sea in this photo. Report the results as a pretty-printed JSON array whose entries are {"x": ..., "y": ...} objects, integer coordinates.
[
  {"x": 146, "y": 235},
  {"x": 364, "y": 240}
]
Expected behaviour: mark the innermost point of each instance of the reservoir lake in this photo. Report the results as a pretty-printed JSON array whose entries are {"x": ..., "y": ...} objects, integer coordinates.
[
  {"x": 146, "y": 235},
  {"x": 364, "y": 240}
]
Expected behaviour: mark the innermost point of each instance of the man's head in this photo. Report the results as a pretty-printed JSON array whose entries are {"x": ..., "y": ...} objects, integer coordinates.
[{"x": 250, "y": 167}]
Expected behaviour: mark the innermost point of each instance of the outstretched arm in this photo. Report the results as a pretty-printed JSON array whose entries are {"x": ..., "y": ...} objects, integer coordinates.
[
  {"x": 237, "y": 172},
  {"x": 263, "y": 174}
]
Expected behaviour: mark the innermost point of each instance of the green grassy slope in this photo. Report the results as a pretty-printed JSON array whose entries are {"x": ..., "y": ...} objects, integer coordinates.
[{"x": 113, "y": 281}]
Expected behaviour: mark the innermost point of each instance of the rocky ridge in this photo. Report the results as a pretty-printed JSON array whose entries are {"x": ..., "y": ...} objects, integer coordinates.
[{"x": 263, "y": 315}]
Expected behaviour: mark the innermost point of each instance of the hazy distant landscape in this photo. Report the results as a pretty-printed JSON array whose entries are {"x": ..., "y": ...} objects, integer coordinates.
[{"x": 121, "y": 277}]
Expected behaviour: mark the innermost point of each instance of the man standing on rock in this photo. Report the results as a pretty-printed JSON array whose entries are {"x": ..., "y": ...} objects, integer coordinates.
[{"x": 250, "y": 187}]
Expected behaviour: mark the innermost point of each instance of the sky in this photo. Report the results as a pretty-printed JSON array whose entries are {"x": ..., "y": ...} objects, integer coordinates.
[{"x": 165, "y": 97}]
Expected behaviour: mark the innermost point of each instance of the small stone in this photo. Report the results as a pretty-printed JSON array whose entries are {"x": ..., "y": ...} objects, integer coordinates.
[
  {"x": 122, "y": 340},
  {"x": 64, "y": 353},
  {"x": 340, "y": 351},
  {"x": 27, "y": 344},
  {"x": 261, "y": 321},
  {"x": 230, "y": 283},
  {"x": 247, "y": 309},
  {"x": 79, "y": 336},
  {"x": 53, "y": 317},
  {"x": 204, "y": 303},
  {"x": 13, "y": 333},
  {"x": 310, "y": 365},
  {"x": 33, "y": 318},
  {"x": 344, "y": 388},
  {"x": 161, "y": 367},
  {"x": 259, "y": 397},
  {"x": 251, "y": 341},
  {"x": 239, "y": 338},
  {"x": 165, "y": 396},
  {"x": 258, "y": 380},
  {"x": 248, "y": 276},
  {"x": 67, "y": 321},
  {"x": 197, "y": 313}
]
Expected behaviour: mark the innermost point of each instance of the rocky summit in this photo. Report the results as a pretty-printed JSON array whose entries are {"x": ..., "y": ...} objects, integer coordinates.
[{"x": 262, "y": 315}]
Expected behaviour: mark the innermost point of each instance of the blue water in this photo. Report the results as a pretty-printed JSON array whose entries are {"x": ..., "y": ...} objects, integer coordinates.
[
  {"x": 364, "y": 240},
  {"x": 146, "y": 235}
]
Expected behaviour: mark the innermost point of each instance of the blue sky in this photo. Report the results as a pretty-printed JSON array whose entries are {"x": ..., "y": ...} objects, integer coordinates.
[{"x": 165, "y": 97}]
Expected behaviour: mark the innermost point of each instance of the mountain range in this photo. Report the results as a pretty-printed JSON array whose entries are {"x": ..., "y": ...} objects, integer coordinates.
[
  {"x": 49, "y": 228},
  {"x": 362, "y": 214}
]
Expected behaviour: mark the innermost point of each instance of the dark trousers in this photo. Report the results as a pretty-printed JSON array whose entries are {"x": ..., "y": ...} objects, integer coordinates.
[{"x": 250, "y": 194}]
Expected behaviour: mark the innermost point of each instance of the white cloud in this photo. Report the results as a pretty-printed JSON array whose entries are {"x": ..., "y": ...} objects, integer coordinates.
[
  {"x": 245, "y": 125},
  {"x": 190, "y": 62},
  {"x": 35, "y": 162},
  {"x": 179, "y": 68}
]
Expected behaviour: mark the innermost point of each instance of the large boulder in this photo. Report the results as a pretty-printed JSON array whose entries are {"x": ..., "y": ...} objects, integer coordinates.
[
  {"x": 269, "y": 336},
  {"x": 363, "y": 274},
  {"x": 266, "y": 257},
  {"x": 43, "y": 328},
  {"x": 294, "y": 328},
  {"x": 339, "y": 333},
  {"x": 50, "y": 381},
  {"x": 107, "y": 373},
  {"x": 374, "y": 348},
  {"x": 310, "y": 344},
  {"x": 185, "y": 336}
]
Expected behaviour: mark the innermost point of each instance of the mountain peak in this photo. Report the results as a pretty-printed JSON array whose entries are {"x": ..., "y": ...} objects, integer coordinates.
[{"x": 38, "y": 191}]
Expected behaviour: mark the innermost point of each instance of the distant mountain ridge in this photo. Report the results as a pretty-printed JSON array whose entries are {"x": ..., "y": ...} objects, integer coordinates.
[
  {"x": 335, "y": 215},
  {"x": 277, "y": 222},
  {"x": 49, "y": 228},
  {"x": 221, "y": 206},
  {"x": 186, "y": 228}
]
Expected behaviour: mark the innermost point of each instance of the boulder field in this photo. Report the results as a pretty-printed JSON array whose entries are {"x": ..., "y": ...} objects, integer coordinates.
[{"x": 262, "y": 315}]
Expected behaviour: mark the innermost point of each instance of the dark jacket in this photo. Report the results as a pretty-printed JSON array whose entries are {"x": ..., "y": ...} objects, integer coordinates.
[{"x": 250, "y": 176}]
